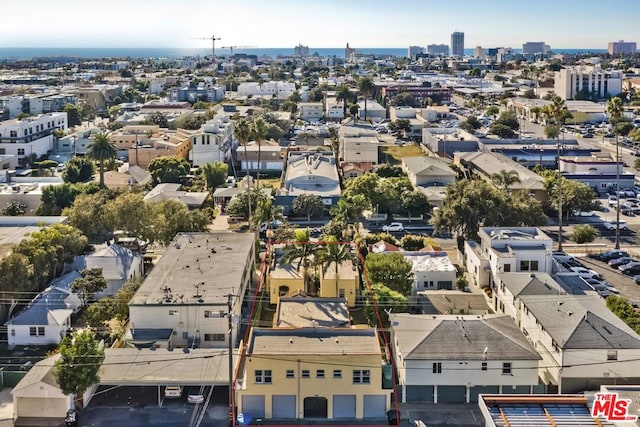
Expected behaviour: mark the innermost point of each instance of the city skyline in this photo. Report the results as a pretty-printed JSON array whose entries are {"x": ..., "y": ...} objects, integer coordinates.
[{"x": 284, "y": 23}]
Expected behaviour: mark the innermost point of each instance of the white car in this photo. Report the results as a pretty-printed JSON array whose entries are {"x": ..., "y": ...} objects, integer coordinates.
[
  {"x": 195, "y": 398},
  {"x": 585, "y": 272},
  {"x": 584, "y": 213},
  {"x": 394, "y": 226},
  {"x": 611, "y": 225}
]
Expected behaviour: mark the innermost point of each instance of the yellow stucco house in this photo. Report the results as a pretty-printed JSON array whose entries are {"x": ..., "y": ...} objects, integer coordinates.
[
  {"x": 344, "y": 284},
  {"x": 313, "y": 373},
  {"x": 284, "y": 280}
]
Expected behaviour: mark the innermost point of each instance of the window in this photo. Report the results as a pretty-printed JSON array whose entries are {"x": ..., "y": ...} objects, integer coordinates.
[
  {"x": 361, "y": 376},
  {"x": 36, "y": 331},
  {"x": 290, "y": 373},
  {"x": 13, "y": 332},
  {"x": 534, "y": 265},
  {"x": 20, "y": 151},
  {"x": 263, "y": 376},
  {"x": 209, "y": 313},
  {"x": 337, "y": 373},
  {"x": 41, "y": 331},
  {"x": 305, "y": 373},
  {"x": 524, "y": 265},
  {"x": 341, "y": 293},
  {"x": 174, "y": 312},
  {"x": 506, "y": 368},
  {"x": 320, "y": 373},
  {"x": 612, "y": 355},
  {"x": 32, "y": 331},
  {"x": 214, "y": 337},
  {"x": 185, "y": 335},
  {"x": 507, "y": 268},
  {"x": 484, "y": 366},
  {"x": 436, "y": 367}
]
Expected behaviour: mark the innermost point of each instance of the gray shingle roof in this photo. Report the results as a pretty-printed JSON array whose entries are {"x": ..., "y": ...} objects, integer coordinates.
[
  {"x": 530, "y": 284},
  {"x": 426, "y": 337},
  {"x": 580, "y": 322},
  {"x": 430, "y": 166}
]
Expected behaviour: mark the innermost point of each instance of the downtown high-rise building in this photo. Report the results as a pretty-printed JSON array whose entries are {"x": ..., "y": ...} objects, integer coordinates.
[
  {"x": 457, "y": 44},
  {"x": 622, "y": 48}
]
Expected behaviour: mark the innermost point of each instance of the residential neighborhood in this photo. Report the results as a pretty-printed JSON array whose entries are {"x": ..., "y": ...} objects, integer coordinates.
[{"x": 438, "y": 236}]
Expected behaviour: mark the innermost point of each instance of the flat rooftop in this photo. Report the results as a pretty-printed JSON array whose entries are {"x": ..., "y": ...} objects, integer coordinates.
[
  {"x": 197, "y": 268},
  {"x": 314, "y": 341}
]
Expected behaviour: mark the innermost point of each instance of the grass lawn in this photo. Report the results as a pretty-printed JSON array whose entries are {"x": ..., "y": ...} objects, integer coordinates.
[
  {"x": 270, "y": 182},
  {"x": 394, "y": 154}
]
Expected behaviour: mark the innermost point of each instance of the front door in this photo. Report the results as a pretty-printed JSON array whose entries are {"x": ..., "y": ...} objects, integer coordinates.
[{"x": 315, "y": 407}]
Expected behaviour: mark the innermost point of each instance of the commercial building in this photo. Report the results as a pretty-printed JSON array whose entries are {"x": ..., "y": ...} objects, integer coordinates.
[
  {"x": 438, "y": 50},
  {"x": 414, "y": 51},
  {"x": 457, "y": 44},
  {"x": 587, "y": 83},
  {"x": 32, "y": 136},
  {"x": 622, "y": 48},
  {"x": 536, "y": 49}
]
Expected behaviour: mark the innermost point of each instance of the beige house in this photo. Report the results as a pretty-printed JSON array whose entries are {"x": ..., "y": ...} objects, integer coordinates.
[
  {"x": 304, "y": 373},
  {"x": 343, "y": 284},
  {"x": 162, "y": 143},
  {"x": 428, "y": 171},
  {"x": 37, "y": 399}
]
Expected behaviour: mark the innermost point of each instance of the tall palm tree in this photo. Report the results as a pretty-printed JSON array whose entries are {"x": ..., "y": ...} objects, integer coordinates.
[
  {"x": 102, "y": 149},
  {"x": 558, "y": 112},
  {"x": 267, "y": 212},
  {"x": 505, "y": 178},
  {"x": 300, "y": 251},
  {"x": 366, "y": 88},
  {"x": 616, "y": 113},
  {"x": 259, "y": 133},
  {"x": 334, "y": 253},
  {"x": 344, "y": 94},
  {"x": 242, "y": 132}
]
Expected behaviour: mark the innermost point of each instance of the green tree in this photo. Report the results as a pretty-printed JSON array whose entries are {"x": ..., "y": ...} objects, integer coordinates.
[
  {"x": 584, "y": 234},
  {"x": 242, "y": 132},
  {"x": 78, "y": 169},
  {"x": 415, "y": 203},
  {"x": 492, "y": 111},
  {"x": 267, "y": 212},
  {"x": 301, "y": 252},
  {"x": 502, "y": 131},
  {"x": 552, "y": 131},
  {"x": 159, "y": 119},
  {"x": 412, "y": 243},
  {"x": 129, "y": 213},
  {"x": 389, "y": 171},
  {"x": 87, "y": 215},
  {"x": 14, "y": 208},
  {"x": 169, "y": 217},
  {"x": 102, "y": 149},
  {"x": 636, "y": 164},
  {"x": 79, "y": 362},
  {"x": 392, "y": 269},
  {"x": 509, "y": 119},
  {"x": 576, "y": 196},
  {"x": 215, "y": 174},
  {"x": 16, "y": 281},
  {"x": 344, "y": 95},
  {"x": 91, "y": 283},
  {"x": 165, "y": 169},
  {"x": 366, "y": 88},
  {"x": 308, "y": 205},
  {"x": 74, "y": 115},
  {"x": 245, "y": 203},
  {"x": 505, "y": 178},
  {"x": 621, "y": 307},
  {"x": 334, "y": 253},
  {"x": 55, "y": 198},
  {"x": 386, "y": 299}
]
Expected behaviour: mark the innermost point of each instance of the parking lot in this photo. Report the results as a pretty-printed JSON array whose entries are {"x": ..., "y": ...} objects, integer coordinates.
[{"x": 625, "y": 284}]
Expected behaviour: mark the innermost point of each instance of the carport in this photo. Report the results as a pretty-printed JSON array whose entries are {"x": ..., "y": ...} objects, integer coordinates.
[{"x": 160, "y": 367}]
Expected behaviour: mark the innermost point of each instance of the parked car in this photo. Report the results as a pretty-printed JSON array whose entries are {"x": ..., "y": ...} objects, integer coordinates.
[
  {"x": 636, "y": 278},
  {"x": 630, "y": 269},
  {"x": 393, "y": 227},
  {"x": 173, "y": 391},
  {"x": 611, "y": 254},
  {"x": 611, "y": 225},
  {"x": 584, "y": 213},
  {"x": 585, "y": 272},
  {"x": 617, "y": 262},
  {"x": 613, "y": 201}
]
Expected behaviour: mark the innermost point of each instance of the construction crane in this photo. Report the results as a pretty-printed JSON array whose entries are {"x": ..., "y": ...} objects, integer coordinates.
[
  {"x": 213, "y": 45},
  {"x": 236, "y": 47}
]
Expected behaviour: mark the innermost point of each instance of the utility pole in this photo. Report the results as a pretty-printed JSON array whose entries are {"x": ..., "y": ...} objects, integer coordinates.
[
  {"x": 230, "y": 348},
  {"x": 560, "y": 196}
]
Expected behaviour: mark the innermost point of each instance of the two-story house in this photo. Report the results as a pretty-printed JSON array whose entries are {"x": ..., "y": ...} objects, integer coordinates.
[
  {"x": 184, "y": 300},
  {"x": 431, "y": 271},
  {"x": 301, "y": 373},
  {"x": 428, "y": 171},
  {"x": 454, "y": 358},
  {"x": 582, "y": 343}
]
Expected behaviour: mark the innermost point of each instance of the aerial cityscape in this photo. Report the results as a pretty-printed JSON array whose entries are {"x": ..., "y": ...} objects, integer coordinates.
[{"x": 247, "y": 222}]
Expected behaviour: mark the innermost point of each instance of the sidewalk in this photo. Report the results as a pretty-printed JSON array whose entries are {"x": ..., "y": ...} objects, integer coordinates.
[{"x": 6, "y": 408}]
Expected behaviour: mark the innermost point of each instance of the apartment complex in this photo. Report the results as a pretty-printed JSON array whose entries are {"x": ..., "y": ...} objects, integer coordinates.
[
  {"x": 622, "y": 48},
  {"x": 587, "y": 82},
  {"x": 457, "y": 44},
  {"x": 32, "y": 136}
]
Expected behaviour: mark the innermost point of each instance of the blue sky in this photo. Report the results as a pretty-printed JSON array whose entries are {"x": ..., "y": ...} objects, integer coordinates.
[{"x": 327, "y": 23}]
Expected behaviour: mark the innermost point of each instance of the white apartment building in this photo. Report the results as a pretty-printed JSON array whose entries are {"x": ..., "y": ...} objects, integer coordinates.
[
  {"x": 30, "y": 136},
  {"x": 588, "y": 81},
  {"x": 622, "y": 48},
  {"x": 505, "y": 250},
  {"x": 334, "y": 110},
  {"x": 535, "y": 48},
  {"x": 311, "y": 111},
  {"x": 358, "y": 143},
  {"x": 454, "y": 358},
  {"x": 279, "y": 89},
  {"x": 212, "y": 142},
  {"x": 438, "y": 50}
]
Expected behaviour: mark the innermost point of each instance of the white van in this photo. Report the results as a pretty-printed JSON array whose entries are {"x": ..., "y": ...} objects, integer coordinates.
[{"x": 173, "y": 391}]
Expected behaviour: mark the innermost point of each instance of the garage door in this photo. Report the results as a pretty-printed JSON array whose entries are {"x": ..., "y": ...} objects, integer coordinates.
[
  {"x": 253, "y": 405},
  {"x": 375, "y": 406},
  {"x": 452, "y": 394},
  {"x": 344, "y": 406},
  {"x": 283, "y": 406},
  {"x": 420, "y": 393},
  {"x": 487, "y": 389}
]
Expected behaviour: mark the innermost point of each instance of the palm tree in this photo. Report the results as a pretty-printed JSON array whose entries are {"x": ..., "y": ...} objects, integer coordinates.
[
  {"x": 242, "y": 132},
  {"x": 259, "y": 133},
  {"x": 102, "y": 149},
  {"x": 505, "y": 178},
  {"x": 300, "y": 251},
  {"x": 334, "y": 253},
  {"x": 267, "y": 212},
  {"x": 344, "y": 94},
  {"x": 616, "y": 112},
  {"x": 366, "y": 88}
]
